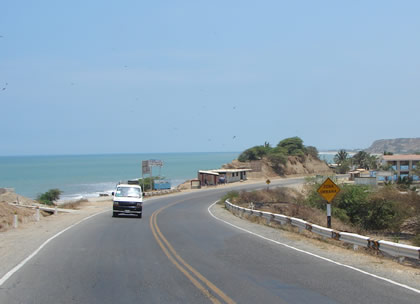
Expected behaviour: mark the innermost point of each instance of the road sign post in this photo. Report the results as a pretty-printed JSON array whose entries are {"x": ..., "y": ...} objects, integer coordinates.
[
  {"x": 268, "y": 183},
  {"x": 329, "y": 215},
  {"x": 328, "y": 190}
]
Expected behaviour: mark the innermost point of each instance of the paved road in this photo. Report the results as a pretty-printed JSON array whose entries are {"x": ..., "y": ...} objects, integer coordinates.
[{"x": 178, "y": 253}]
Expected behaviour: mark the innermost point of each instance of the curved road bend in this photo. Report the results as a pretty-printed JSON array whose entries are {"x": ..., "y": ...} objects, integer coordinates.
[{"x": 178, "y": 253}]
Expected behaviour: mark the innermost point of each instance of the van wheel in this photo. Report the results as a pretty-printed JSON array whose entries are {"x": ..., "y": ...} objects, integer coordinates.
[{"x": 114, "y": 214}]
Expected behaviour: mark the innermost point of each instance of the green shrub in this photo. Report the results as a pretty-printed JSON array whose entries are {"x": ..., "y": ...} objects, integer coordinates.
[
  {"x": 148, "y": 182},
  {"x": 381, "y": 214},
  {"x": 49, "y": 197},
  {"x": 293, "y": 145},
  {"x": 254, "y": 153},
  {"x": 313, "y": 199},
  {"x": 313, "y": 151},
  {"x": 353, "y": 199},
  {"x": 277, "y": 158}
]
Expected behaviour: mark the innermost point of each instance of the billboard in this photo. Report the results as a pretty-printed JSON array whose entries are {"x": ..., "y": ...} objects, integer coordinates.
[{"x": 145, "y": 167}]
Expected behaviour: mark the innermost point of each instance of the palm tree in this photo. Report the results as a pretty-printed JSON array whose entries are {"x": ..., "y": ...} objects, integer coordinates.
[
  {"x": 340, "y": 157},
  {"x": 364, "y": 160}
]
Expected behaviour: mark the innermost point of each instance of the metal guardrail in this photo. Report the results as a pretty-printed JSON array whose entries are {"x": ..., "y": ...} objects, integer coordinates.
[
  {"x": 48, "y": 209},
  {"x": 355, "y": 239},
  {"x": 322, "y": 231},
  {"x": 393, "y": 249}
]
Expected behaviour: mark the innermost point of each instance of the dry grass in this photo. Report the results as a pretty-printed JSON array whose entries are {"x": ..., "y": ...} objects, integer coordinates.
[
  {"x": 74, "y": 204},
  {"x": 7, "y": 213}
]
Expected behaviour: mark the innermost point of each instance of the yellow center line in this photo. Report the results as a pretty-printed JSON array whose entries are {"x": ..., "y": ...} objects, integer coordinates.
[
  {"x": 158, "y": 234},
  {"x": 180, "y": 268}
]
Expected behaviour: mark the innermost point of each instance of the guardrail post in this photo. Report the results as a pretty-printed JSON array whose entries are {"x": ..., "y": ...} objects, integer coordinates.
[
  {"x": 37, "y": 214},
  {"x": 15, "y": 221},
  {"x": 401, "y": 259},
  {"x": 355, "y": 247}
]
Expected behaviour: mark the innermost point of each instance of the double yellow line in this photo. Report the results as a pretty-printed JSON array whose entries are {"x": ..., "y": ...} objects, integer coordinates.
[{"x": 193, "y": 275}]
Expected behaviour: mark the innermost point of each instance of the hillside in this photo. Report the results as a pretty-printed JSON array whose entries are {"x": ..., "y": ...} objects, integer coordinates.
[
  {"x": 289, "y": 157},
  {"x": 397, "y": 145},
  {"x": 294, "y": 166}
]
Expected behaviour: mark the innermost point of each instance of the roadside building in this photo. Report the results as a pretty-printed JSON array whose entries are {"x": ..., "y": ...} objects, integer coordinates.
[
  {"x": 402, "y": 164},
  {"x": 232, "y": 175},
  {"x": 222, "y": 176},
  {"x": 208, "y": 178},
  {"x": 358, "y": 173}
]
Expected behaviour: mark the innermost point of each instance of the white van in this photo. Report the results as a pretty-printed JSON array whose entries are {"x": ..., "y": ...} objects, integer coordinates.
[{"x": 128, "y": 199}]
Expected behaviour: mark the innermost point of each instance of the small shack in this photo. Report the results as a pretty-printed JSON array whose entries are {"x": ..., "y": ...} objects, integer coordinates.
[
  {"x": 358, "y": 173},
  {"x": 208, "y": 178}
]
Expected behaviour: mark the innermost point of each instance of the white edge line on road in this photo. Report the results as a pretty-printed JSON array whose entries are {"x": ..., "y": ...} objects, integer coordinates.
[
  {"x": 21, "y": 264},
  {"x": 314, "y": 255}
]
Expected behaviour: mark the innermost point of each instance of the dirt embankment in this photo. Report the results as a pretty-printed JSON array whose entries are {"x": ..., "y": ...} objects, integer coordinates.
[
  {"x": 293, "y": 166},
  {"x": 8, "y": 211},
  {"x": 9, "y": 196}
]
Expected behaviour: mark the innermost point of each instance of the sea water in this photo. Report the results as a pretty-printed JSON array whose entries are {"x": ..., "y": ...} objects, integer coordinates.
[{"x": 81, "y": 176}]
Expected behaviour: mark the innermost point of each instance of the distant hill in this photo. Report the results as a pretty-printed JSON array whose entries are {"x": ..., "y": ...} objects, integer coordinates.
[{"x": 397, "y": 145}]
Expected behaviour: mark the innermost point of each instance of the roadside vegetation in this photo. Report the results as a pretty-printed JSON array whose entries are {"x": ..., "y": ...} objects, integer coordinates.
[
  {"x": 148, "y": 182},
  {"x": 361, "y": 209},
  {"x": 278, "y": 155},
  {"x": 49, "y": 197},
  {"x": 361, "y": 160}
]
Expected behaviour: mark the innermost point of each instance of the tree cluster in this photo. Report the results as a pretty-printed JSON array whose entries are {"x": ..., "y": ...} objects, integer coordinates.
[
  {"x": 278, "y": 155},
  {"x": 361, "y": 159}
]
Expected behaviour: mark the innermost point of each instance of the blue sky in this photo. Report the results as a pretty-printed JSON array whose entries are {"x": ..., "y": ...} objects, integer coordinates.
[{"x": 184, "y": 76}]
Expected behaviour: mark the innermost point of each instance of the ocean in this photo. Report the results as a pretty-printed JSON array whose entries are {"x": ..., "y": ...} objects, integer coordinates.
[{"x": 83, "y": 176}]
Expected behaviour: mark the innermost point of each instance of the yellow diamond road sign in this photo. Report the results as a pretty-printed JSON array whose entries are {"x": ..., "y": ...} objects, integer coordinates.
[{"x": 328, "y": 190}]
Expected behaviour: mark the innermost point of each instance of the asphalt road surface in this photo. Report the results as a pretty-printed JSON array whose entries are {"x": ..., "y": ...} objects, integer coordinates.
[{"x": 179, "y": 253}]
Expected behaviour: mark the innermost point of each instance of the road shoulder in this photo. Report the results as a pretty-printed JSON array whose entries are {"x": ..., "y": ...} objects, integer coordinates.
[
  {"x": 375, "y": 265},
  {"x": 18, "y": 244}
]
